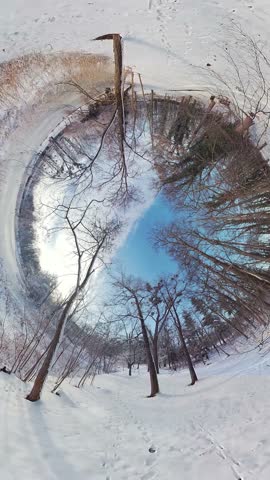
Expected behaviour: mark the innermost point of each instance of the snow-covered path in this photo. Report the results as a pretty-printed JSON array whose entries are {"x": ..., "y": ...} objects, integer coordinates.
[{"x": 216, "y": 429}]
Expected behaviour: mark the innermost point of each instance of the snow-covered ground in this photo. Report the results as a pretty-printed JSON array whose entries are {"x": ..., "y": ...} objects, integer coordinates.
[
  {"x": 217, "y": 429},
  {"x": 40, "y": 108},
  {"x": 164, "y": 39},
  {"x": 169, "y": 42}
]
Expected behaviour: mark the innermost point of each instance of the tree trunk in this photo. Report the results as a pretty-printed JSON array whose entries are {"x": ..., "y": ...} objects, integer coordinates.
[
  {"x": 118, "y": 63},
  {"x": 155, "y": 354},
  {"x": 35, "y": 393},
  {"x": 150, "y": 361},
  {"x": 129, "y": 368},
  {"x": 192, "y": 372},
  {"x": 151, "y": 364},
  {"x": 222, "y": 338},
  {"x": 245, "y": 124},
  {"x": 86, "y": 373}
]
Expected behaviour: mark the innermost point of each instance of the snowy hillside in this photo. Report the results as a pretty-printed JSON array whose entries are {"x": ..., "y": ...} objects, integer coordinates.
[
  {"x": 111, "y": 431},
  {"x": 169, "y": 42},
  {"x": 171, "y": 111},
  {"x": 163, "y": 38}
]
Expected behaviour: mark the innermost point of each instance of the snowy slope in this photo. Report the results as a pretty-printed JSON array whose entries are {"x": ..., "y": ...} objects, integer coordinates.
[
  {"x": 39, "y": 110},
  {"x": 163, "y": 38},
  {"x": 167, "y": 41},
  {"x": 216, "y": 429},
  {"x": 220, "y": 427}
]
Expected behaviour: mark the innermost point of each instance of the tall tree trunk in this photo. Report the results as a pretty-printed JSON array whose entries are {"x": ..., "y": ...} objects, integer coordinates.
[
  {"x": 192, "y": 372},
  {"x": 155, "y": 354},
  {"x": 129, "y": 368},
  {"x": 35, "y": 393},
  {"x": 150, "y": 361},
  {"x": 118, "y": 64}
]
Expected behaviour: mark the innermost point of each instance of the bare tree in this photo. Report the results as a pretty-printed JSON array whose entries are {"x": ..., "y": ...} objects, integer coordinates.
[
  {"x": 159, "y": 315},
  {"x": 90, "y": 241},
  {"x": 131, "y": 342},
  {"x": 172, "y": 295},
  {"x": 132, "y": 295}
]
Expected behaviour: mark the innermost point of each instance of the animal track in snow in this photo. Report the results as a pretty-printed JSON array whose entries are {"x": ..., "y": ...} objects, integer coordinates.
[
  {"x": 165, "y": 11},
  {"x": 223, "y": 453}
]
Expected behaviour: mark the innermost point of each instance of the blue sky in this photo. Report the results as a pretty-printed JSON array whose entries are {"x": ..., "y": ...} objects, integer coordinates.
[{"x": 138, "y": 256}]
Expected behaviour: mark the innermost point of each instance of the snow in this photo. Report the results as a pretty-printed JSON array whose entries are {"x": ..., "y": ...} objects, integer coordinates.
[
  {"x": 36, "y": 121},
  {"x": 163, "y": 38},
  {"x": 167, "y": 41},
  {"x": 218, "y": 428}
]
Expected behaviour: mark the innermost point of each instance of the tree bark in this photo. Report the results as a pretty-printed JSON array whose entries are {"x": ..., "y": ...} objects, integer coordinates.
[
  {"x": 41, "y": 377},
  {"x": 35, "y": 393},
  {"x": 151, "y": 364},
  {"x": 245, "y": 124},
  {"x": 155, "y": 354},
  {"x": 192, "y": 372}
]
